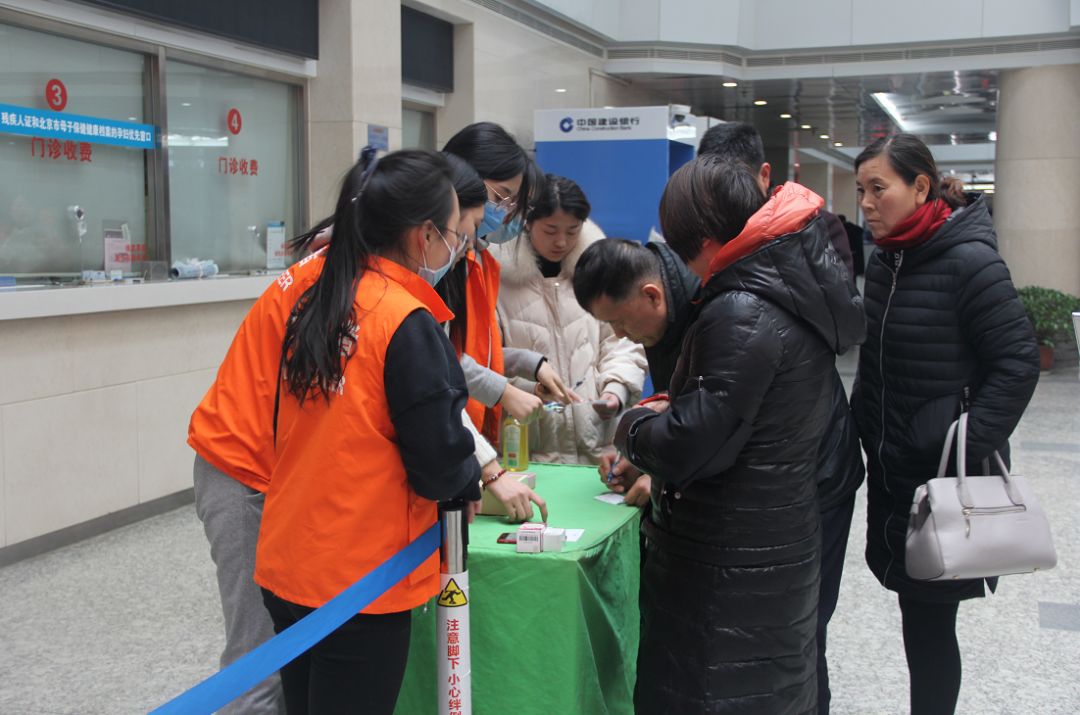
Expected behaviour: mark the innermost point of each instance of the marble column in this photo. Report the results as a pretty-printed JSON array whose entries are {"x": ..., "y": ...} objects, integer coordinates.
[
  {"x": 1037, "y": 176},
  {"x": 358, "y": 84}
]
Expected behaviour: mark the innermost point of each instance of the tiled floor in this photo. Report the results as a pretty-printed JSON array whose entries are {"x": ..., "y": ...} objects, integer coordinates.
[{"x": 123, "y": 622}]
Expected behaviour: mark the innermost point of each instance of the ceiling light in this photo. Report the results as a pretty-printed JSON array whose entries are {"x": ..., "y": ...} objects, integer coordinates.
[
  {"x": 731, "y": 84},
  {"x": 886, "y": 103},
  {"x": 185, "y": 104},
  {"x": 992, "y": 136},
  {"x": 805, "y": 126},
  {"x": 132, "y": 119},
  {"x": 560, "y": 90},
  {"x": 760, "y": 102},
  {"x": 785, "y": 115},
  {"x": 838, "y": 143},
  {"x": 824, "y": 136}
]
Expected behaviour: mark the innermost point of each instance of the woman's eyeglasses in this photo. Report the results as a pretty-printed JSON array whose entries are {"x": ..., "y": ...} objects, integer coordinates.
[{"x": 504, "y": 202}]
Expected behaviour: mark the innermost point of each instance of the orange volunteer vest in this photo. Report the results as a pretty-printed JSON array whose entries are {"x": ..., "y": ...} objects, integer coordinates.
[
  {"x": 340, "y": 502},
  {"x": 232, "y": 428},
  {"x": 483, "y": 339}
]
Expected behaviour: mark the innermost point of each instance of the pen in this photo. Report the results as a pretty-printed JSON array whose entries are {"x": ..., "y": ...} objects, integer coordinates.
[{"x": 611, "y": 472}]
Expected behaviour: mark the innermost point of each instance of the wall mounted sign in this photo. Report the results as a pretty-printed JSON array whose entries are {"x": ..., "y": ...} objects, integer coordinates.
[
  {"x": 234, "y": 121},
  {"x": 378, "y": 136},
  {"x": 619, "y": 123},
  {"x": 56, "y": 95},
  {"x": 76, "y": 128}
]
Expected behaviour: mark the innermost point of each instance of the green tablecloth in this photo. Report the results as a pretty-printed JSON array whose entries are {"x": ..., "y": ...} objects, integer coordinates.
[{"x": 551, "y": 632}]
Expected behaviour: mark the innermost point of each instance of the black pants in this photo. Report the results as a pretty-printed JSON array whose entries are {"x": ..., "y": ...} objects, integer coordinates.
[
  {"x": 835, "y": 526},
  {"x": 933, "y": 655},
  {"x": 357, "y": 668}
]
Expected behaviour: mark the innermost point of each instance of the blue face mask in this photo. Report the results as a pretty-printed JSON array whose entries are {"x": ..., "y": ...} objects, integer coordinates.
[
  {"x": 433, "y": 276},
  {"x": 493, "y": 229}
]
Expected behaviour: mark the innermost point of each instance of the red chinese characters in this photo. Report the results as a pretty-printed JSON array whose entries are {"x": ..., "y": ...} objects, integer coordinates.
[
  {"x": 453, "y": 653},
  {"x": 236, "y": 166},
  {"x": 55, "y": 149}
]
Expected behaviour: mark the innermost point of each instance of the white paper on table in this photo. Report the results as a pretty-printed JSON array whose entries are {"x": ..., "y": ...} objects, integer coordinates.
[
  {"x": 574, "y": 534},
  {"x": 611, "y": 498}
]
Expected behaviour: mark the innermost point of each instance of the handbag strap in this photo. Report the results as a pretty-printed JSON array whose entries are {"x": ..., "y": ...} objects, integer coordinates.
[
  {"x": 959, "y": 430},
  {"x": 946, "y": 451}
]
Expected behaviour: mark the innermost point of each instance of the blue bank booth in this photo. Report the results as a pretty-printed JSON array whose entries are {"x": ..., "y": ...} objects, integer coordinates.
[{"x": 621, "y": 157}]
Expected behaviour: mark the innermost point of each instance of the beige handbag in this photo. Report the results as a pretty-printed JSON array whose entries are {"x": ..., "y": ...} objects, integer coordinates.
[{"x": 975, "y": 527}]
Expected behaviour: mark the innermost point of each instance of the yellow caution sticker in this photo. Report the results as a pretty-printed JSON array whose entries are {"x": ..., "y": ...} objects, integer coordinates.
[{"x": 452, "y": 596}]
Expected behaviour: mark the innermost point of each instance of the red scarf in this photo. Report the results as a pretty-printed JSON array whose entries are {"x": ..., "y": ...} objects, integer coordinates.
[{"x": 918, "y": 228}]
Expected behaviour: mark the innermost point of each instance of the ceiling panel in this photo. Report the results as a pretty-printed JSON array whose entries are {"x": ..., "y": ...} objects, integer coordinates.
[{"x": 940, "y": 107}]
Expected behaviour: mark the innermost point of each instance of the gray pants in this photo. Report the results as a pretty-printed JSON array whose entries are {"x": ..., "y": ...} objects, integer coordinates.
[{"x": 230, "y": 513}]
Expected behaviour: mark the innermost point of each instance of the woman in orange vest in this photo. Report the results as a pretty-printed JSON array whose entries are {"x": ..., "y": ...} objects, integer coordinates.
[
  {"x": 472, "y": 289},
  {"x": 368, "y": 430},
  {"x": 231, "y": 432},
  {"x": 517, "y": 498}
]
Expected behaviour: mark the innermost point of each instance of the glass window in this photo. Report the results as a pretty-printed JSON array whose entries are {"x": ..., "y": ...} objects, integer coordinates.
[
  {"x": 417, "y": 129},
  {"x": 55, "y": 92},
  {"x": 233, "y": 176}
]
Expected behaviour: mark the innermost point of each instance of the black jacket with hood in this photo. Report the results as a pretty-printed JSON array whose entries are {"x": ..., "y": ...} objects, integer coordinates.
[
  {"x": 943, "y": 320},
  {"x": 840, "y": 465},
  {"x": 730, "y": 577},
  {"x": 680, "y": 287}
]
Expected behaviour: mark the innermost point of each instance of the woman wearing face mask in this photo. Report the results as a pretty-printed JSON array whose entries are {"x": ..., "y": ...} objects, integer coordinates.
[
  {"x": 473, "y": 288},
  {"x": 367, "y": 425},
  {"x": 538, "y": 311},
  {"x": 946, "y": 334},
  {"x": 518, "y": 498}
]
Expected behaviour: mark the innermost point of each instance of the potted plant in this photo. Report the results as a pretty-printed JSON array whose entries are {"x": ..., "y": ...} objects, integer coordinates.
[{"x": 1050, "y": 312}]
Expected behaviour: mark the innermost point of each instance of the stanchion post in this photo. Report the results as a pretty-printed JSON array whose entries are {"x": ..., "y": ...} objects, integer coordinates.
[{"x": 452, "y": 612}]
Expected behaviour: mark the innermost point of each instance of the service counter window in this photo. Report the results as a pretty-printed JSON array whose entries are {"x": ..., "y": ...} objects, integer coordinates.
[
  {"x": 233, "y": 168},
  {"x": 73, "y": 158}
]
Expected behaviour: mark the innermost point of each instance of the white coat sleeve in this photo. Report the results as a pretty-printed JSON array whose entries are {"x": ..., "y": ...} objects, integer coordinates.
[
  {"x": 485, "y": 453},
  {"x": 621, "y": 366}
]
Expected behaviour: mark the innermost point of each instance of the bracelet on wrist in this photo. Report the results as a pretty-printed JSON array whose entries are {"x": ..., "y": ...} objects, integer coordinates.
[{"x": 484, "y": 482}]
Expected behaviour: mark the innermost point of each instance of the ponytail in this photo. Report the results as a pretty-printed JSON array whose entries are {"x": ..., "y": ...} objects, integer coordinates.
[
  {"x": 299, "y": 244},
  {"x": 380, "y": 200},
  {"x": 951, "y": 192}
]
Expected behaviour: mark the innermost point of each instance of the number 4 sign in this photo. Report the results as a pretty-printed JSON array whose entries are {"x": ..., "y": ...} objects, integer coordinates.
[{"x": 234, "y": 122}]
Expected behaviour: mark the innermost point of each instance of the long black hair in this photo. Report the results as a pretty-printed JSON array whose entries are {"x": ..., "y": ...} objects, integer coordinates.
[
  {"x": 469, "y": 187},
  {"x": 467, "y": 183},
  {"x": 471, "y": 194},
  {"x": 909, "y": 157},
  {"x": 560, "y": 193},
  {"x": 380, "y": 200},
  {"x": 299, "y": 244},
  {"x": 496, "y": 156}
]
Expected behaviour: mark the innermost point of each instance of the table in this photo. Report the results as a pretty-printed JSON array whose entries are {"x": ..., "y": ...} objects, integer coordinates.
[{"x": 551, "y": 632}]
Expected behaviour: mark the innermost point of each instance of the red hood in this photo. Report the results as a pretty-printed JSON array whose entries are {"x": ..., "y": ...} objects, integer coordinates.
[{"x": 790, "y": 208}]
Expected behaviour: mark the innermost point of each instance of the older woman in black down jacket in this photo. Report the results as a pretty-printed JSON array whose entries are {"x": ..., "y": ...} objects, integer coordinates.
[
  {"x": 729, "y": 582},
  {"x": 946, "y": 333}
]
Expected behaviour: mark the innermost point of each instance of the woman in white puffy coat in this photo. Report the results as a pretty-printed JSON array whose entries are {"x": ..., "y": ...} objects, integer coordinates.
[{"x": 538, "y": 311}]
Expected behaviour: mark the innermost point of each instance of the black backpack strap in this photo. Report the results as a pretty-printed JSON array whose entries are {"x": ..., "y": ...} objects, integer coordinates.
[{"x": 277, "y": 393}]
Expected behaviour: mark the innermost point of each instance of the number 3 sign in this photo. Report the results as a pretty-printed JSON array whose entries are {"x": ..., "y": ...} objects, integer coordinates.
[
  {"x": 56, "y": 94},
  {"x": 234, "y": 122}
]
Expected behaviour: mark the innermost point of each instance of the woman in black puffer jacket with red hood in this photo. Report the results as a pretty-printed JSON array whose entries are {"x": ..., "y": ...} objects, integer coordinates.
[
  {"x": 945, "y": 333},
  {"x": 729, "y": 583}
]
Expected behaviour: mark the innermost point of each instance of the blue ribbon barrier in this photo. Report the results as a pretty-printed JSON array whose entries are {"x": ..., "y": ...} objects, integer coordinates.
[{"x": 251, "y": 669}]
